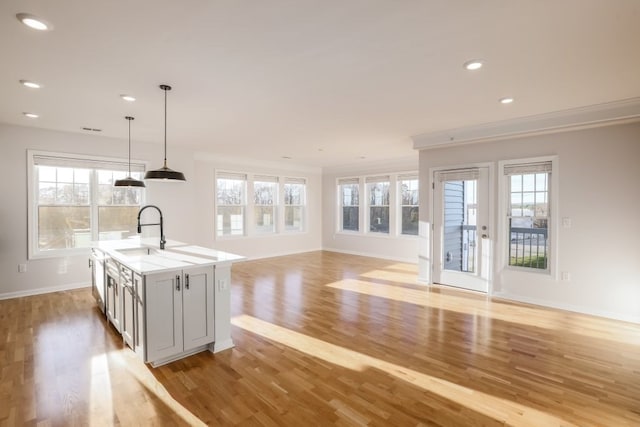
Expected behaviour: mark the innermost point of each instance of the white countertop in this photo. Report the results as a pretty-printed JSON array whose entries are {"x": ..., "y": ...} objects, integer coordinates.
[{"x": 144, "y": 255}]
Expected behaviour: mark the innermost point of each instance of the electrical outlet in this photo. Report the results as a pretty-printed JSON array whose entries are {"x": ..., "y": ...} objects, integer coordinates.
[
  {"x": 22, "y": 268},
  {"x": 565, "y": 276},
  {"x": 566, "y": 222},
  {"x": 222, "y": 285}
]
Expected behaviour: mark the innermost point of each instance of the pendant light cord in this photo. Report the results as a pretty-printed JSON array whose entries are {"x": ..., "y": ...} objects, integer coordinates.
[
  {"x": 165, "y": 127},
  {"x": 129, "y": 120}
]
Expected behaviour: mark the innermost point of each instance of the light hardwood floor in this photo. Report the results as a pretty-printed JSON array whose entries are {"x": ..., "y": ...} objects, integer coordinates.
[{"x": 327, "y": 339}]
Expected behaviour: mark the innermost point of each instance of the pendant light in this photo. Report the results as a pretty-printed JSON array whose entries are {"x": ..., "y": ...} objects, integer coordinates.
[
  {"x": 129, "y": 181},
  {"x": 164, "y": 173}
]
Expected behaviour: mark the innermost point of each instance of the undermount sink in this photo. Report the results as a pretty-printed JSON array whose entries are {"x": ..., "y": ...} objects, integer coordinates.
[
  {"x": 137, "y": 251},
  {"x": 172, "y": 254}
]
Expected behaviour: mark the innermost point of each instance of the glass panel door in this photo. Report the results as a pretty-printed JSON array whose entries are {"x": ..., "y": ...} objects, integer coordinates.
[{"x": 461, "y": 235}]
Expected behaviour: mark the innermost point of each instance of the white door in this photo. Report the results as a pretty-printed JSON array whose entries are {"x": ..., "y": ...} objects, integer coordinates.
[{"x": 461, "y": 237}]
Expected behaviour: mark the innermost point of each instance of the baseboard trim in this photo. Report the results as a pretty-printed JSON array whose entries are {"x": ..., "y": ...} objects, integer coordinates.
[
  {"x": 47, "y": 290},
  {"x": 273, "y": 255},
  {"x": 566, "y": 307},
  {"x": 371, "y": 255}
]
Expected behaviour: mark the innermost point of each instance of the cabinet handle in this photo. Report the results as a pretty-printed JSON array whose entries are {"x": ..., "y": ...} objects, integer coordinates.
[
  {"x": 177, "y": 282},
  {"x": 186, "y": 281}
]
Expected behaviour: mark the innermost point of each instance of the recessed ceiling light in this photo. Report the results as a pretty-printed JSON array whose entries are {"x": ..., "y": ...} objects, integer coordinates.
[
  {"x": 30, "y": 84},
  {"x": 34, "y": 22},
  {"x": 506, "y": 100},
  {"x": 31, "y": 115},
  {"x": 128, "y": 98},
  {"x": 286, "y": 157},
  {"x": 474, "y": 64}
]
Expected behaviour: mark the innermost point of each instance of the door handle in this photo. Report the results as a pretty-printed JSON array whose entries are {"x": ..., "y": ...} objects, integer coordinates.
[
  {"x": 177, "y": 282},
  {"x": 186, "y": 281}
]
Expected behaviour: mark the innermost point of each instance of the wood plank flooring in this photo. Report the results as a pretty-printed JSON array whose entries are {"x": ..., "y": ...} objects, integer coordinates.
[{"x": 327, "y": 339}]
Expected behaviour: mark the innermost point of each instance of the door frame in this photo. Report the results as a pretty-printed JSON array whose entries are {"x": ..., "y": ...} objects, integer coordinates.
[{"x": 492, "y": 221}]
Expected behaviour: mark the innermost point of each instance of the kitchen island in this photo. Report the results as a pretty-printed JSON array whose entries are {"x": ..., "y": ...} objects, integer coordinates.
[{"x": 166, "y": 303}]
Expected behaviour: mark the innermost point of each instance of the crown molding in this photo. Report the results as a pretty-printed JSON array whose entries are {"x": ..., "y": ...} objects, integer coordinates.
[{"x": 606, "y": 114}]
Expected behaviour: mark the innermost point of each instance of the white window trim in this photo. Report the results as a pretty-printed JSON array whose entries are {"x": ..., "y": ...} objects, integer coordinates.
[
  {"x": 552, "y": 226},
  {"x": 32, "y": 211},
  {"x": 399, "y": 179},
  {"x": 294, "y": 180},
  {"x": 228, "y": 174},
  {"x": 374, "y": 179},
  {"x": 395, "y": 207},
  {"x": 277, "y": 202},
  {"x": 249, "y": 205},
  {"x": 339, "y": 182}
]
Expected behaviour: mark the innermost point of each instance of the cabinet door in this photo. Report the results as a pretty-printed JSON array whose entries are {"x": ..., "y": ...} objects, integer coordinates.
[
  {"x": 197, "y": 298},
  {"x": 127, "y": 321},
  {"x": 163, "y": 315},
  {"x": 113, "y": 301}
]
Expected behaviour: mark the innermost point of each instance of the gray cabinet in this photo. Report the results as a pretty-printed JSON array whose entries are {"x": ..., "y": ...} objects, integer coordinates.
[
  {"x": 178, "y": 313},
  {"x": 113, "y": 303},
  {"x": 96, "y": 263}
]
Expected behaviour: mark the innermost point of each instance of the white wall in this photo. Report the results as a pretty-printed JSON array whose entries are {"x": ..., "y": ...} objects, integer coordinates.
[
  {"x": 257, "y": 246},
  {"x": 401, "y": 248},
  {"x": 187, "y": 207},
  {"x": 599, "y": 181}
]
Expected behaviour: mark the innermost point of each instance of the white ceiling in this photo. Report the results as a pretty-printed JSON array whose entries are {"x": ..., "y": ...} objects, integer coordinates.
[{"x": 324, "y": 82}]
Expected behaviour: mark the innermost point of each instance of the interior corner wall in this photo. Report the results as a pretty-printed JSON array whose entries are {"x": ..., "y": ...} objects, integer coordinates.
[
  {"x": 399, "y": 248},
  {"x": 598, "y": 185}
]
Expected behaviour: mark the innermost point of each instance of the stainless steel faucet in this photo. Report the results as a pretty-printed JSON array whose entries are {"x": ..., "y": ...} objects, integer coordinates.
[{"x": 162, "y": 240}]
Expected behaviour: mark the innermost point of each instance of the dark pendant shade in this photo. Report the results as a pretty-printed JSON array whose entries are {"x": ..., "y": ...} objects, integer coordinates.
[
  {"x": 129, "y": 181},
  {"x": 164, "y": 173}
]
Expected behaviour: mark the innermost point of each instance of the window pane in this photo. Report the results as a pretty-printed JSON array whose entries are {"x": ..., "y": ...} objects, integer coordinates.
[
  {"x": 65, "y": 175},
  {"x": 379, "y": 194},
  {"x": 293, "y": 218},
  {"x": 46, "y": 173},
  {"x": 528, "y": 232},
  {"x": 47, "y": 193},
  {"x": 516, "y": 183},
  {"x": 230, "y": 191},
  {"x": 350, "y": 218},
  {"x": 117, "y": 222},
  {"x": 379, "y": 219},
  {"x": 409, "y": 191},
  {"x": 64, "y": 194},
  {"x": 294, "y": 194},
  {"x": 230, "y": 221},
  {"x": 265, "y": 219},
  {"x": 350, "y": 195},
  {"x": 61, "y": 227},
  {"x": 265, "y": 193},
  {"x": 410, "y": 220}
]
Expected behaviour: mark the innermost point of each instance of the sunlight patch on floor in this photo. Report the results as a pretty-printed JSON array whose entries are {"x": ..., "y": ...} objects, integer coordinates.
[
  {"x": 529, "y": 316},
  {"x": 152, "y": 385},
  {"x": 496, "y": 408},
  {"x": 101, "y": 399}
]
